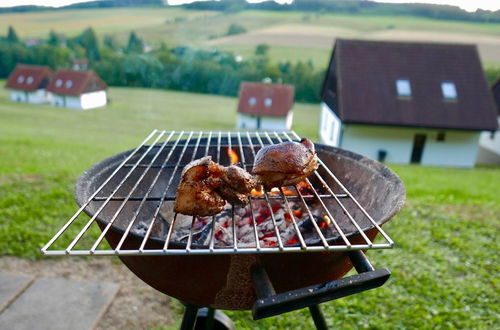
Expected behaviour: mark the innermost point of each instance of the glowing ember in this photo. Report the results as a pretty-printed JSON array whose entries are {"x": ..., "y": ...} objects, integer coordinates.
[
  {"x": 257, "y": 193},
  {"x": 233, "y": 156}
]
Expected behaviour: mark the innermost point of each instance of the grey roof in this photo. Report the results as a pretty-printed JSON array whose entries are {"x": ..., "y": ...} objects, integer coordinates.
[{"x": 360, "y": 85}]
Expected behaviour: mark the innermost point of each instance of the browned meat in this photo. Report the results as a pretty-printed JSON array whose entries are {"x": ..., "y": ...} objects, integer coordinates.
[
  {"x": 205, "y": 186},
  {"x": 237, "y": 185},
  {"x": 285, "y": 163}
]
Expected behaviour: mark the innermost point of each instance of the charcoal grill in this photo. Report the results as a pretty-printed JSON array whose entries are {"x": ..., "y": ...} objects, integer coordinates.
[{"x": 127, "y": 196}]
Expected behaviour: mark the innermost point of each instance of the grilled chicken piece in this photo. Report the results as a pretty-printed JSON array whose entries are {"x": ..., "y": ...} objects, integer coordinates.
[
  {"x": 285, "y": 163},
  {"x": 205, "y": 186},
  {"x": 237, "y": 185},
  {"x": 195, "y": 195}
]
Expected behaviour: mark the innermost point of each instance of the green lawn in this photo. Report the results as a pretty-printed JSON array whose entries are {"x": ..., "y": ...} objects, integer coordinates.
[{"x": 445, "y": 263}]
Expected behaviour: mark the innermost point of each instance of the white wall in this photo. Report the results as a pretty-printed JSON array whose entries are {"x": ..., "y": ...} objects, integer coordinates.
[
  {"x": 93, "y": 99},
  {"x": 17, "y": 95},
  {"x": 330, "y": 126},
  {"x": 39, "y": 96},
  {"x": 459, "y": 149},
  {"x": 489, "y": 143},
  {"x": 84, "y": 101},
  {"x": 267, "y": 123}
]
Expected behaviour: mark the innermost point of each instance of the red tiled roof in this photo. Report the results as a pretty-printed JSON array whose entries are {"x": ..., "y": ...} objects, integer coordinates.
[
  {"x": 360, "y": 85},
  {"x": 72, "y": 82},
  {"x": 265, "y": 99},
  {"x": 29, "y": 77}
]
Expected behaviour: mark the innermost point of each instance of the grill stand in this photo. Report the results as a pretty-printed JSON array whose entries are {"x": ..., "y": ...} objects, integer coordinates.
[{"x": 270, "y": 304}]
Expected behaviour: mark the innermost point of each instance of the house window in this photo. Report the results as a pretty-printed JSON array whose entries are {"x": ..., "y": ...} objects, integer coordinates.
[
  {"x": 58, "y": 83},
  {"x": 449, "y": 91},
  {"x": 268, "y": 102},
  {"x": 69, "y": 83},
  {"x": 252, "y": 101},
  {"x": 30, "y": 80},
  {"x": 20, "y": 79},
  {"x": 403, "y": 87},
  {"x": 440, "y": 136}
]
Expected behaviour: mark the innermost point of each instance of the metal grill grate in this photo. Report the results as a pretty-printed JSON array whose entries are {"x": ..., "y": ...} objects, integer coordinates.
[{"x": 162, "y": 152}]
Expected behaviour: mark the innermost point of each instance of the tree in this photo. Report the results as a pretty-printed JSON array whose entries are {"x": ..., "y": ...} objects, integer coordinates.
[
  {"x": 110, "y": 41},
  {"x": 135, "y": 44},
  {"x": 261, "y": 49},
  {"x": 235, "y": 29},
  {"x": 88, "y": 41},
  {"x": 54, "y": 39},
  {"x": 12, "y": 35}
]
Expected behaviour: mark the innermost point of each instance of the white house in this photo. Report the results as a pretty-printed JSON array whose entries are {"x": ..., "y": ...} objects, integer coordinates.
[
  {"x": 28, "y": 83},
  {"x": 402, "y": 102},
  {"x": 489, "y": 142},
  {"x": 265, "y": 106},
  {"x": 78, "y": 89}
]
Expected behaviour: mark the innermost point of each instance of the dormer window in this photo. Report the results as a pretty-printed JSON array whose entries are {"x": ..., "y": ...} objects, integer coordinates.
[
  {"x": 59, "y": 82},
  {"x": 29, "y": 80},
  {"x": 268, "y": 102},
  {"x": 449, "y": 91},
  {"x": 252, "y": 101},
  {"x": 403, "y": 87},
  {"x": 20, "y": 79},
  {"x": 69, "y": 83}
]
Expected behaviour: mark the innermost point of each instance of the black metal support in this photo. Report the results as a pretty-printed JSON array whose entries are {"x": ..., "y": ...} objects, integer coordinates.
[
  {"x": 209, "y": 322},
  {"x": 318, "y": 318},
  {"x": 360, "y": 261},
  {"x": 269, "y": 303},
  {"x": 189, "y": 318}
]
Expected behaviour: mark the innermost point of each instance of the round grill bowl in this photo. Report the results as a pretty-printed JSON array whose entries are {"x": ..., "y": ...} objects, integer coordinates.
[{"x": 223, "y": 281}]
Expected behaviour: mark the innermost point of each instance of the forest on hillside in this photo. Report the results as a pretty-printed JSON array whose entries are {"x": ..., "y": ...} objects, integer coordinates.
[
  {"x": 178, "y": 68},
  {"x": 358, "y": 7}
]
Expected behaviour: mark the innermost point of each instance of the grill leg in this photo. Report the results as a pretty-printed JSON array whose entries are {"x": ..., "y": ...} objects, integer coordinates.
[
  {"x": 209, "y": 322},
  {"x": 189, "y": 318},
  {"x": 318, "y": 318}
]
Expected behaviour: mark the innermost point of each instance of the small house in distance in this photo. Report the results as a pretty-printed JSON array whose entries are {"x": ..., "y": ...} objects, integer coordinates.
[
  {"x": 403, "y": 102},
  {"x": 489, "y": 143},
  {"x": 78, "y": 89},
  {"x": 28, "y": 83},
  {"x": 265, "y": 106}
]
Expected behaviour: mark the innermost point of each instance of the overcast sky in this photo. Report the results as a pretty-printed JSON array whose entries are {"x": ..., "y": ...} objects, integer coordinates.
[{"x": 470, "y": 5}]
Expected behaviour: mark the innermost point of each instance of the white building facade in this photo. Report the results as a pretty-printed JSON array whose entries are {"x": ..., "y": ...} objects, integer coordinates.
[
  {"x": 401, "y": 145},
  {"x": 39, "y": 96},
  {"x": 267, "y": 123},
  {"x": 489, "y": 147},
  {"x": 84, "y": 101}
]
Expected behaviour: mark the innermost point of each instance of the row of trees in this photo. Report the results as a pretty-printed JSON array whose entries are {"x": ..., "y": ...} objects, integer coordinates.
[
  {"x": 180, "y": 68},
  {"x": 360, "y": 7}
]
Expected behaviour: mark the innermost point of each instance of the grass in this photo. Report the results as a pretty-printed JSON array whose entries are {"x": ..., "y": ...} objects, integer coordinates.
[{"x": 445, "y": 264}]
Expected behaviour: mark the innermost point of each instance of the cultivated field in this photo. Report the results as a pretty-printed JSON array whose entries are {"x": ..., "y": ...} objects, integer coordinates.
[
  {"x": 444, "y": 265},
  {"x": 292, "y": 36}
]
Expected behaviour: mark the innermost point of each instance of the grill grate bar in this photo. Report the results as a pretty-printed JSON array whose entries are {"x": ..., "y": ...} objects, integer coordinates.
[
  {"x": 337, "y": 181},
  {"x": 92, "y": 219},
  {"x": 251, "y": 198},
  {"x": 311, "y": 216},
  {"x": 77, "y": 213},
  {"x": 139, "y": 165},
  {"x": 171, "y": 198},
  {"x": 148, "y": 232},
  {"x": 106, "y": 229},
  {"x": 346, "y": 212}
]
